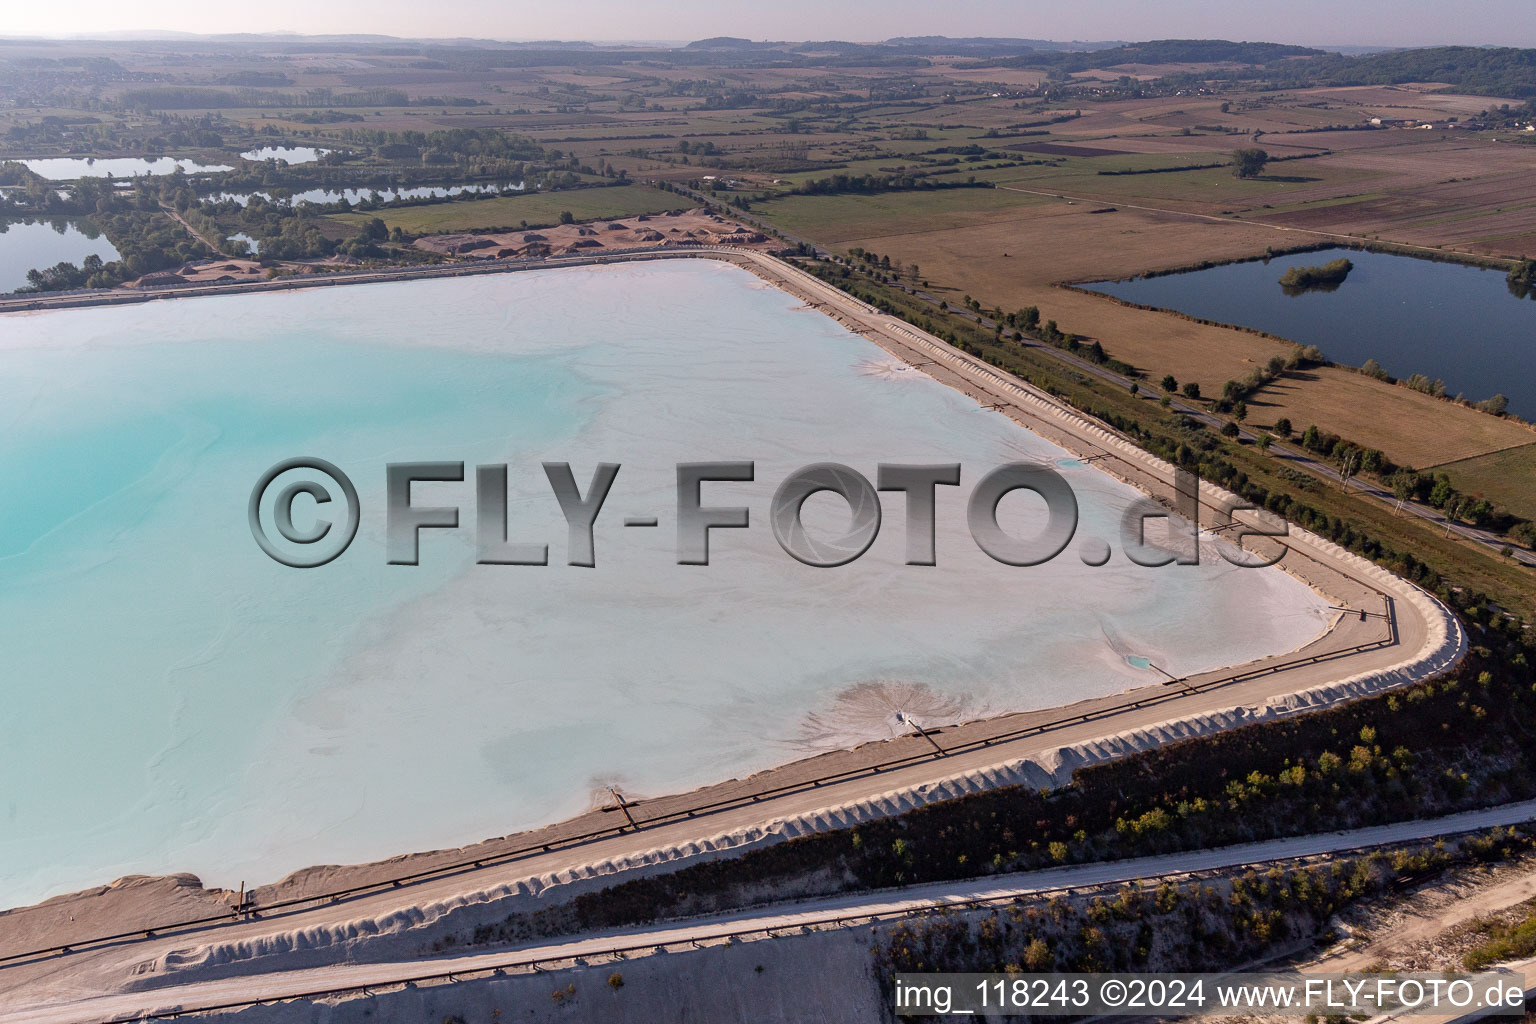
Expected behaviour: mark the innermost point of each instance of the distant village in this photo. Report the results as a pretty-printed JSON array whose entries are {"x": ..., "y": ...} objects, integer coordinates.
[{"x": 1413, "y": 122}]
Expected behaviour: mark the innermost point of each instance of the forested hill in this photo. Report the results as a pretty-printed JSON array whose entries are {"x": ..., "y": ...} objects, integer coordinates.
[
  {"x": 1482, "y": 71},
  {"x": 1165, "y": 51}
]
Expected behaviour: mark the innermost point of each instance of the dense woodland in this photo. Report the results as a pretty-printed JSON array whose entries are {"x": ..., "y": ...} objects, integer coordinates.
[
  {"x": 1502, "y": 71},
  {"x": 1481, "y": 71}
]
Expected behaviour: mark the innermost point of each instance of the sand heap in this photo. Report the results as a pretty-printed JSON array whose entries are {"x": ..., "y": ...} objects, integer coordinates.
[{"x": 200, "y": 272}]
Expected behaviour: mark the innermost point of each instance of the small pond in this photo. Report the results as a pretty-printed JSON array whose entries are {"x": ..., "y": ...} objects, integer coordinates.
[{"x": 34, "y": 244}]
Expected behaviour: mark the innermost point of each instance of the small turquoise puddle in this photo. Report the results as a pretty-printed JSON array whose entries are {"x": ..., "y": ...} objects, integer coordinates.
[{"x": 1137, "y": 661}]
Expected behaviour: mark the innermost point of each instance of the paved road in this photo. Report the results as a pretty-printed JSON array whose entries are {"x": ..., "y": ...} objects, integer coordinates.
[{"x": 848, "y": 910}]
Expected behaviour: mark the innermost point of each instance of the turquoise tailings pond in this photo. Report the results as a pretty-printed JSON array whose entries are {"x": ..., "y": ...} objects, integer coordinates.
[{"x": 178, "y": 701}]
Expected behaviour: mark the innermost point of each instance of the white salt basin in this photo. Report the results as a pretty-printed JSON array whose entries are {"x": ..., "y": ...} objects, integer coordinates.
[{"x": 178, "y": 701}]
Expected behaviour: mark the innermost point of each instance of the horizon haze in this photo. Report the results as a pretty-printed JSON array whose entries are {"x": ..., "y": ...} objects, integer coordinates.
[{"x": 1304, "y": 22}]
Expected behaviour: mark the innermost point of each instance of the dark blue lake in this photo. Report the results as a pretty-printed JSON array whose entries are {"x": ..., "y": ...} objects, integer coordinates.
[{"x": 1460, "y": 324}]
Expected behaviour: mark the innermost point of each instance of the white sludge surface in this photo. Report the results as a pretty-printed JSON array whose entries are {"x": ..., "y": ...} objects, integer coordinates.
[{"x": 177, "y": 701}]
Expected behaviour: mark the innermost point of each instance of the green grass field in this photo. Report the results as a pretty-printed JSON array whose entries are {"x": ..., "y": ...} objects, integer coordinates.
[
  {"x": 1318, "y": 204},
  {"x": 832, "y": 219},
  {"x": 540, "y": 209},
  {"x": 1213, "y": 185},
  {"x": 1507, "y": 478}
]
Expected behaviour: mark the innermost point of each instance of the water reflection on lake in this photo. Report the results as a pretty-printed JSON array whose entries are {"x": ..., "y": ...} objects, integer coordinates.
[
  {"x": 69, "y": 168},
  {"x": 34, "y": 244},
  {"x": 292, "y": 154},
  {"x": 252, "y": 246}
]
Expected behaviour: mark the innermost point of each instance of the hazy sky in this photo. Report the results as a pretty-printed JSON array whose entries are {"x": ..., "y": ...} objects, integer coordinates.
[{"x": 1365, "y": 22}]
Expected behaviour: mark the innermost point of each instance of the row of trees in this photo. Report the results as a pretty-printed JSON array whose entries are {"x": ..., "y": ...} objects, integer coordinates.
[
  {"x": 839, "y": 184},
  {"x": 1433, "y": 489},
  {"x": 1349, "y": 457},
  {"x": 1171, "y": 927},
  {"x": 1495, "y": 405},
  {"x": 884, "y": 265},
  {"x": 191, "y": 97},
  {"x": 1205, "y": 457}
]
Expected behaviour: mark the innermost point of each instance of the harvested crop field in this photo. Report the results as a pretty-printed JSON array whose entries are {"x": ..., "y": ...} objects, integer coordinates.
[{"x": 1413, "y": 429}]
